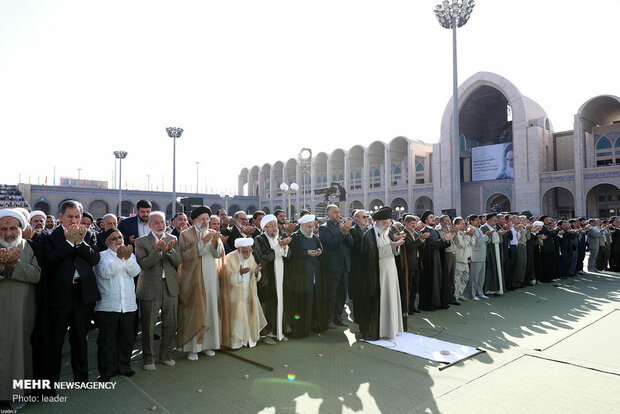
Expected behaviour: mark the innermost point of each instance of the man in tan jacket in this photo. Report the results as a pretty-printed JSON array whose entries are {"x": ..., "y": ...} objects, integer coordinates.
[
  {"x": 246, "y": 315},
  {"x": 158, "y": 288}
]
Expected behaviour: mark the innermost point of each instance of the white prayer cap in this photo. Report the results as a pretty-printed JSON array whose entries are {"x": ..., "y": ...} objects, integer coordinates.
[
  {"x": 9, "y": 212},
  {"x": 538, "y": 224},
  {"x": 267, "y": 219},
  {"x": 37, "y": 213},
  {"x": 307, "y": 219},
  {"x": 244, "y": 242}
]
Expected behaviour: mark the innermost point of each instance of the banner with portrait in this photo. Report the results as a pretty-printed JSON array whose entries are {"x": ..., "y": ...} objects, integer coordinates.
[{"x": 492, "y": 162}]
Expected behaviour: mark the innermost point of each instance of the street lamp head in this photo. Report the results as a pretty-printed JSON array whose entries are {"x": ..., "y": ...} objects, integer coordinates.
[
  {"x": 174, "y": 132},
  {"x": 284, "y": 187},
  {"x": 120, "y": 154},
  {"x": 305, "y": 154},
  {"x": 455, "y": 14},
  {"x": 294, "y": 186}
]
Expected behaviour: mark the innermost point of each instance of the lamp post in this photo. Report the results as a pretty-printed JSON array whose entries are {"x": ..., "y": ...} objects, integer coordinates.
[
  {"x": 174, "y": 133},
  {"x": 305, "y": 155},
  {"x": 451, "y": 16},
  {"x": 121, "y": 156},
  {"x": 285, "y": 188},
  {"x": 226, "y": 197},
  {"x": 197, "y": 163}
]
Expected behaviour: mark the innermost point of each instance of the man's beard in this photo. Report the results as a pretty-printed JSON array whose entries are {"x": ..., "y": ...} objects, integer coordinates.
[
  {"x": 39, "y": 229},
  {"x": 307, "y": 234},
  {"x": 14, "y": 243},
  {"x": 381, "y": 231},
  {"x": 203, "y": 229}
]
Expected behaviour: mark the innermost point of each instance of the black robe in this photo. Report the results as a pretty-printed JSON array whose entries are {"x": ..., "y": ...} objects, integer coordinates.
[
  {"x": 266, "y": 286},
  {"x": 403, "y": 279},
  {"x": 614, "y": 250},
  {"x": 434, "y": 283},
  {"x": 303, "y": 306},
  {"x": 356, "y": 262},
  {"x": 368, "y": 298},
  {"x": 491, "y": 276}
]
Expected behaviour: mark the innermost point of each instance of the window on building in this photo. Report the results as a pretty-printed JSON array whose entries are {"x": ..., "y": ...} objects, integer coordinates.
[
  {"x": 397, "y": 174},
  {"x": 604, "y": 152},
  {"x": 419, "y": 172}
]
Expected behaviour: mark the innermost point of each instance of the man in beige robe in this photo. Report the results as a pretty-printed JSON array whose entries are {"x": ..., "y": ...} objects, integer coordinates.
[
  {"x": 199, "y": 318},
  {"x": 246, "y": 315},
  {"x": 19, "y": 274}
]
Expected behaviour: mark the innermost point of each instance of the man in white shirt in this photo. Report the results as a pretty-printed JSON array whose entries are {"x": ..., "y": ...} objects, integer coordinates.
[{"x": 115, "y": 312}]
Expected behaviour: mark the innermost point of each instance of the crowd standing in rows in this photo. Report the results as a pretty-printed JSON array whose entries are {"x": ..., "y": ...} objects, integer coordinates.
[{"x": 220, "y": 282}]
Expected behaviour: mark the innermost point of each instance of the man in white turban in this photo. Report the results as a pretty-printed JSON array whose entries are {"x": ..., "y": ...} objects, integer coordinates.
[
  {"x": 19, "y": 274},
  {"x": 246, "y": 316},
  {"x": 270, "y": 249}
]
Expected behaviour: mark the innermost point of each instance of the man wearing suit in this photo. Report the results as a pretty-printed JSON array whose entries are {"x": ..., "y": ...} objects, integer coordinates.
[
  {"x": 357, "y": 232},
  {"x": 475, "y": 285},
  {"x": 179, "y": 223},
  {"x": 413, "y": 242},
  {"x": 240, "y": 228},
  {"x": 158, "y": 289},
  {"x": 593, "y": 233},
  {"x": 136, "y": 226},
  {"x": 337, "y": 242},
  {"x": 547, "y": 250},
  {"x": 70, "y": 254}
]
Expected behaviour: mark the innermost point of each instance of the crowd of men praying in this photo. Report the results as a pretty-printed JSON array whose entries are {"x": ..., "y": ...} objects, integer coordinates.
[{"x": 219, "y": 282}]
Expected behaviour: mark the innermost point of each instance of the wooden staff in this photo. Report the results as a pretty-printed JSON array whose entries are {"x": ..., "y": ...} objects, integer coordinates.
[{"x": 258, "y": 364}]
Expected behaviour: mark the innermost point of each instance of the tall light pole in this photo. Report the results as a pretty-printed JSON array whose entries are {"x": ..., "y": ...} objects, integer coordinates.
[
  {"x": 121, "y": 156},
  {"x": 174, "y": 133},
  {"x": 305, "y": 155},
  {"x": 451, "y": 16},
  {"x": 148, "y": 182},
  {"x": 197, "y": 164}
]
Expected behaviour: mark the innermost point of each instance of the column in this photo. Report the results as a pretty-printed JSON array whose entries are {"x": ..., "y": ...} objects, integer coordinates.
[
  {"x": 272, "y": 187},
  {"x": 365, "y": 178},
  {"x": 347, "y": 173},
  {"x": 387, "y": 174}
]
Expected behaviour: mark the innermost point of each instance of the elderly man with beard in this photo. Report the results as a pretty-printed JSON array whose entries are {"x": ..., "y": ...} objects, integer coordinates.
[
  {"x": 239, "y": 228},
  {"x": 270, "y": 250},
  {"x": 158, "y": 289},
  {"x": 246, "y": 316},
  {"x": 379, "y": 310},
  {"x": 70, "y": 255},
  {"x": 19, "y": 274},
  {"x": 302, "y": 281},
  {"x": 109, "y": 222},
  {"x": 116, "y": 311},
  {"x": 200, "y": 293}
]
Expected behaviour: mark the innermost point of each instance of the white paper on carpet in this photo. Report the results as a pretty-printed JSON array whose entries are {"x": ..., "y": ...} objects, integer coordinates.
[{"x": 429, "y": 348}]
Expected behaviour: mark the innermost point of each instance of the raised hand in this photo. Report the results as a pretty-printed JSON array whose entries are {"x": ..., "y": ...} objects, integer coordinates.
[
  {"x": 206, "y": 237},
  {"x": 248, "y": 230},
  {"x": 120, "y": 252},
  {"x": 128, "y": 252},
  {"x": 244, "y": 270},
  {"x": 27, "y": 233},
  {"x": 397, "y": 243},
  {"x": 224, "y": 239},
  {"x": 170, "y": 245},
  {"x": 283, "y": 242},
  {"x": 447, "y": 237},
  {"x": 257, "y": 269},
  {"x": 160, "y": 246},
  {"x": 71, "y": 233},
  {"x": 318, "y": 252},
  {"x": 81, "y": 234},
  {"x": 12, "y": 256}
]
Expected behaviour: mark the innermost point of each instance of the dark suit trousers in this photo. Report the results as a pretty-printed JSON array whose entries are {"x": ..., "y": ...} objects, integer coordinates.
[
  {"x": 336, "y": 293},
  {"x": 150, "y": 309},
  {"x": 76, "y": 316},
  {"x": 114, "y": 342},
  {"x": 414, "y": 283}
]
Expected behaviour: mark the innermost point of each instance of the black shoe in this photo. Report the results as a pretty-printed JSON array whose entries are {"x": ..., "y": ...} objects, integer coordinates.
[
  {"x": 455, "y": 303},
  {"x": 156, "y": 337},
  {"x": 430, "y": 309},
  {"x": 340, "y": 322},
  {"x": 415, "y": 310},
  {"x": 129, "y": 374},
  {"x": 103, "y": 378},
  {"x": 330, "y": 325}
]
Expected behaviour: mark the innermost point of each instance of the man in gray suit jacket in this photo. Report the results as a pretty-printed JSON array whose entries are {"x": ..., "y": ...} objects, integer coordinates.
[
  {"x": 475, "y": 286},
  {"x": 593, "y": 233},
  {"x": 158, "y": 288}
]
